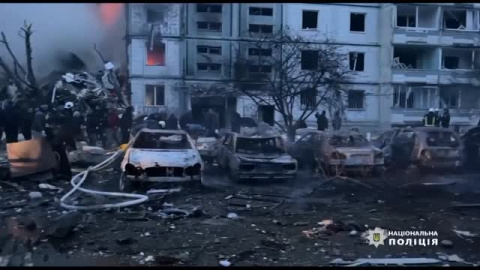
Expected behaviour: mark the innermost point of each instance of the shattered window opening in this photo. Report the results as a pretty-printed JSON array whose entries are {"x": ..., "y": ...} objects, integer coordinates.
[
  {"x": 260, "y": 146},
  {"x": 209, "y": 49},
  {"x": 356, "y": 99},
  {"x": 260, "y": 11},
  {"x": 406, "y": 16},
  {"x": 211, "y": 26},
  {"x": 208, "y": 66},
  {"x": 308, "y": 98},
  {"x": 260, "y": 28},
  {"x": 442, "y": 139},
  {"x": 154, "y": 16},
  {"x": 162, "y": 141},
  {"x": 309, "y": 19},
  {"x": 357, "y": 22},
  {"x": 348, "y": 141},
  {"x": 451, "y": 62},
  {"x": 455, "y": 19},
  {"x": 211, "y": 8},
  {"x": 357, "y": 61},
  {"x": 156, "y": 54},
  {"x": 154, "y": 95},
  {"x": 261, "y": 52},
  {"x": 309, "y": 60}
]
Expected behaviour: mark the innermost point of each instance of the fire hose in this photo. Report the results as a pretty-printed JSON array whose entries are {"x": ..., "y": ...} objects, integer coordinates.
[{"x": 80, "y": 178}]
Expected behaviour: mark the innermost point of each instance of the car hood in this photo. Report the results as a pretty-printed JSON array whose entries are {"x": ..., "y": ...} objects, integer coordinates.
[
  {"x": 278, "y": 158},
  {"x": 168, "y": 158}
]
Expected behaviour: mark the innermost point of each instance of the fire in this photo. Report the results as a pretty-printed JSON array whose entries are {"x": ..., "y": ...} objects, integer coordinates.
[{"x": 111, "y": 12}]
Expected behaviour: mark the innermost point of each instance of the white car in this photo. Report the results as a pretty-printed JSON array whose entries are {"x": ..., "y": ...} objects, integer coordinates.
[{"x": 161, "y": 156}]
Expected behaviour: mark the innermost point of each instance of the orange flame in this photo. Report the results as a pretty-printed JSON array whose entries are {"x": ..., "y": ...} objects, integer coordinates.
[{"x": 110, "y": 12}]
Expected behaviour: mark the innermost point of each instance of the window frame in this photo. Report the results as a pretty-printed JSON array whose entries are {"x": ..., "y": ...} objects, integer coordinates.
[
  {"x": 260, "y": 50},
  {"x": 208, "y": 26},
  {"x": 363, "y": 99},
  {"x": 364, "y": 22},
  {"x": 209, "y": 67},
  {"x": 301, "y": 59},
  {"x": 310, "y": 10},
  {"x": 155, "y": 94},
  {"x": 147, "y": 49},
  {"x": 305, "y": 96},
  {"x": 261, "y": 9},
  {"x": 355, "y": 61},
  {"x": 260, "y": 27},
  {"x": 209, "y": 8},
  {"x": 208, "y": 49}
]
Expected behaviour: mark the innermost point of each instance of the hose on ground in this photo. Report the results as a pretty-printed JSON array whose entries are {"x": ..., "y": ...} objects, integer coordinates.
[{"x": 80, "y": 178}]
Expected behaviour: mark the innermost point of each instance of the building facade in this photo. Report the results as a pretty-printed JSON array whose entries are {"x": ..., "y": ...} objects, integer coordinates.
[{"x": 407, "y": 57}]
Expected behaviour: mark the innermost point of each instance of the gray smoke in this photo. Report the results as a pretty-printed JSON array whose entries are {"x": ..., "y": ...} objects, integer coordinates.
[{"x": 62, "y": 29}]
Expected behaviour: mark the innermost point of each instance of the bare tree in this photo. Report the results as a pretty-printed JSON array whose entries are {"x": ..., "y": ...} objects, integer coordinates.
[
  {"x": 23, "y": 78},
  {"x": 294, "y": 74}
]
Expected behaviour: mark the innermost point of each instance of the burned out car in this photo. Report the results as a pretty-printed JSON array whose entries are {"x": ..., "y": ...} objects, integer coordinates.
[
  {"x": 255, "y": 157},
  {"x": 347, "y": 151},
  {"x": 427, "y": 147},
  {"x": 161, "y": 156},
  {"x": 303, "y": 149},
  {"x": 207, "y": 147}
]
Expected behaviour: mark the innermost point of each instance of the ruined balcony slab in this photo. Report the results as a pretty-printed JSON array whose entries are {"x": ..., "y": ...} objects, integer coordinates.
[
  {"x": 415, "y": 36},
  {"x": 459, "y": 38},
  {"x": 415, "y": 76},
  {"x": 457, "y": 77}
]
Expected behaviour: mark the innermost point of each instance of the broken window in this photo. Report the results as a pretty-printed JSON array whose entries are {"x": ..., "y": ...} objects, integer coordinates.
[
  {"x": 212, "y": 26},
  {"x": 209, "y": 66},
  {"x": 308, "y": 99},
  {"x": 211, "y": 8},
  {"x": 156, "y": 54},
  {"x": 455, "y": 19},
  {"x": 154, "y": 16},
  {"x": 309, "y": 19},
  {"x": 260, "y": 11},
  {"x": 154, "y": 95},
  {"x": 357, "y": 22},
  {"x": 309, "y": 60},
  {"x": 261, "y": 52},
  {"x": 451, "y": 62},
  {"x": 260, "y": 145},
  {"x": 259, "y": 69},
  {"x": 406, "y": 16},
  {"x": 357, "y": 61},
  {"x": 355, "y": 99},
  {"x": 209, "y": 49},
  {"x": 260, "y": 28},
  {"x": 449, "y": 98},
  {"x": 400, "y": 99}
]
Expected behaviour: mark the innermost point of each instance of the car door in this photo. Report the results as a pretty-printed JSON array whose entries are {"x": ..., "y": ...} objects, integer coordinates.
[{"x": 223, "y": 150}]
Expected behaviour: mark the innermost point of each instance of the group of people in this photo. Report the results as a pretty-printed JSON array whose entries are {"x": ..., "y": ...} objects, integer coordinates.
[
  {"x": 433, "y": 118},
  {"x": 322, "y": 121},
  {"x": 65, "y": 125}
]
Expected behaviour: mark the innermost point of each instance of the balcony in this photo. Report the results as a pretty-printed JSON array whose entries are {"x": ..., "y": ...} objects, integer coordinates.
[
  {"x": 415, "y": 64},
  {"x": 406, "y": 35},
  {"x": 458, "y": 66}
]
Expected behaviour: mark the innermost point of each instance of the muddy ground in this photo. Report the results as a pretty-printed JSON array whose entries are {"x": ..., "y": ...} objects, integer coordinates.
[{"x": 266, "y": 230}]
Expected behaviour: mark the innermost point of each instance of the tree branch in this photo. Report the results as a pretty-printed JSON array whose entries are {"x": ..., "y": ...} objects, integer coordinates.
[
  {"x": 99, "y": 53},
  {"x": 15, "y": 61}
]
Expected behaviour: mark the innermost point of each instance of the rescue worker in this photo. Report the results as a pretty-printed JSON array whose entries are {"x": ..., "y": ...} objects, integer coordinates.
[
  {"x": 126, "y": 124},
  {"x": 66, "y": 132},
  {"x": 211, "y": 122},
  {"x": 446, "y": 118},
  {"x": 11, "y": 122},
  {"x": 39, "y": 118},
  {"x": 322, "y": 121},
  {"x": 26, "y": 122},
  {"x": 429, "y": 119},
  {"x": 437, "y": 117},
  {"x": 112, "y": 128},
  {"x": 172, "y": 122},
  {"x": 337, "y": 121},
  {"x": 91, "y": 128}
]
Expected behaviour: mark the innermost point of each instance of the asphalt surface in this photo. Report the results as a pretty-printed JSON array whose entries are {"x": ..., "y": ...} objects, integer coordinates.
[{"x": 256, "y": 223}]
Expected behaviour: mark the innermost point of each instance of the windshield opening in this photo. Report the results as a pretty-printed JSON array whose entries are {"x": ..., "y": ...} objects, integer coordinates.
[
  {"x": 348, "y": 140},
  {"x": 260, "y": 146},
  {"x": 442, "y": 139},
  {"x": 163, "y": 141}
]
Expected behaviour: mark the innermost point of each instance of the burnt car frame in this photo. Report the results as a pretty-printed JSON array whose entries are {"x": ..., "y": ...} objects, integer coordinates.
[
  {"x": 255, "y": 157},
  {"x": 339, "y": 152},
  {"x": 425, "y": 147},
  {"x": 161, "y": 156},
  {"x": 303, "y": 148}
]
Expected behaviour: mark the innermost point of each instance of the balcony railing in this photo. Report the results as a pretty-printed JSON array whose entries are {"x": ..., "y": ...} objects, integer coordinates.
[{"x": 427, "y": 76}]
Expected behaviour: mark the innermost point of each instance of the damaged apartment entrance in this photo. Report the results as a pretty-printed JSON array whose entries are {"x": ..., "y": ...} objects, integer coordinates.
[{"x": 221, "y": 105}]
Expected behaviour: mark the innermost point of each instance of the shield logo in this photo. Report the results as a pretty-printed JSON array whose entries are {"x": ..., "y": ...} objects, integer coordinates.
[{"x": 376, "y": 237}]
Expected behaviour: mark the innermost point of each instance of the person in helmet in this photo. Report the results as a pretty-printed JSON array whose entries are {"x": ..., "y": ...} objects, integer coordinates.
[{"x": 429, "y": 119}]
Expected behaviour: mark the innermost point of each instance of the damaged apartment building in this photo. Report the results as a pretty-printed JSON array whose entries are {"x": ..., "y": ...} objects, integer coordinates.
[{"x": 404, "y": 58}]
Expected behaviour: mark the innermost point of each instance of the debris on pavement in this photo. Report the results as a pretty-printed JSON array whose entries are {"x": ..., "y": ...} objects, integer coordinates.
[
  {"x": 386, "y": 261},
  {"x": 328, "y": 227},
  {"x": 13, "y": 185},
  {"x": 64, "y": 225},
  {"x": 49, "y": 187},
  {"x": 465, "y": 205},
  {"x": 153, "y": 191},
  {"x": 125, "y": 241},
  {"x": 150, "y": 258},
  {"x": 225, "y": 263},
  {"x": 232, "y": 216},
  {"x": 35, "y": 195},
  {"x": 452, "y": 258},
  {"x": 446, "y": 243},
  {"x": 464, "y": 233}
]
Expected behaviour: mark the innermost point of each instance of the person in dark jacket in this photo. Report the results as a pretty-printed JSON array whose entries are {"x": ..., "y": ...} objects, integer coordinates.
[
  {"x": 185, "y": 119},
  {"x": 429, "y": 119},
  {"x": 446, "y": 118},
  {"x": 66, "y": 134},
  {"x": 112, "y": 128},
  {"x": 438, "y": 118},
  {"x": 172, "y": 122},
  {"x": 211, "y": 122},
  {"x": 26, "y": 122},
  {"x": 337, "y": 121},
  {"x": 91, "y": 128},
  {"x": 322, "y": 121},
  {"x": 12, "y": 121},
  {"x": 126, "y": 124},
  {"x": 39, "y": 119},
  {"x": 235, "y": 122}
]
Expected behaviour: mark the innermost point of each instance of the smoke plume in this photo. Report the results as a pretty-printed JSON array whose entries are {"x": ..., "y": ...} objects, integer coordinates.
[{"x": 61, "y": 29}]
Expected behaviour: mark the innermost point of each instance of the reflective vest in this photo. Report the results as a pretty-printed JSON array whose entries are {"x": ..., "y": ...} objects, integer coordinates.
[{"x": 431, "y": 124}]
